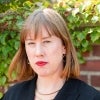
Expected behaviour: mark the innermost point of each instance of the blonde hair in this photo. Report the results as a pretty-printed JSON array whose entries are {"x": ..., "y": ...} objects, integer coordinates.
[{"x": 54, "y": 24}]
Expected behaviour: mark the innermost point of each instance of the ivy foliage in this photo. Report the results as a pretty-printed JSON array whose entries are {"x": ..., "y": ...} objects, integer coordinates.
[{"x": 82, "y": 18}]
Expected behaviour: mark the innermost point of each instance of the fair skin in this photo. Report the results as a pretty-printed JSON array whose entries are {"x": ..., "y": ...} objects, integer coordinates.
[{"x": 45, "y": 55}]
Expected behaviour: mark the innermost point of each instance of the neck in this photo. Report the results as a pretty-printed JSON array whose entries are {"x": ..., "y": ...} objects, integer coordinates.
[{"x": 49, "y": 84}]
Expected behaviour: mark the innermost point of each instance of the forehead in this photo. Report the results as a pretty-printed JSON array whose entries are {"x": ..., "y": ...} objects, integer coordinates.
[
  {"x": 42, "y": 33},
  {"x": 39, "y": 25}
]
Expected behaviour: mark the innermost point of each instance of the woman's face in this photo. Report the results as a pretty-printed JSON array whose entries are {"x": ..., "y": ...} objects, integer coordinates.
[{"x": 45, "y": 53}]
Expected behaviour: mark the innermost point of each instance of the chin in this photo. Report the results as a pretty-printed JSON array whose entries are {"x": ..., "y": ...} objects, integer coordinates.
[{"x": 43, "y": 74}]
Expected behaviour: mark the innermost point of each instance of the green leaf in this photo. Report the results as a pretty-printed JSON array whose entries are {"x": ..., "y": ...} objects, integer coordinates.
[
  {"x": 19, "y": 22},
  {"x": 3, "y": 38},
  {"x": 1, "y": 95},
  {"x": 98, "y": 31},
  {"x": 81, "y": 59},
  {"x": 27, "y": 4},
  {"x": 70, "y": 18},
  {"x": 3, "y": 80},
  {"x": 12, "y": 34},
  {"x": 85, "y": 43},
  {"x": 94, "y": 36},
  {"x": 81, "y": 36},
  {"x": 16, "y": 45}
]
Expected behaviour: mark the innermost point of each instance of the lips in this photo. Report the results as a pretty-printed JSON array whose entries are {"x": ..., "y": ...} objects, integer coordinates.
[{"x": 41, "y": 63}]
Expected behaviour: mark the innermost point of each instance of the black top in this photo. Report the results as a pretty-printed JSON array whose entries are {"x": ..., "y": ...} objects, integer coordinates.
[{"x": 73, "y": 89}]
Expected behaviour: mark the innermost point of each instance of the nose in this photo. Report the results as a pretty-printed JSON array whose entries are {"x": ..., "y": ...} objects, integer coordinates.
[{"x": 39, "y": 50}]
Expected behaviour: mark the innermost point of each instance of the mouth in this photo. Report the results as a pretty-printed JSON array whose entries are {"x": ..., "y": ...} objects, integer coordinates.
[{"x": 41, "y": 63}]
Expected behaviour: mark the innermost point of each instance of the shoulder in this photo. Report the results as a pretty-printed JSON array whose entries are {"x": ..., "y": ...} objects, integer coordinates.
[
  {"x": 86, "y": 90},
  {"x": 20, "y": 86},
  {"x": 20, "y": 89}
]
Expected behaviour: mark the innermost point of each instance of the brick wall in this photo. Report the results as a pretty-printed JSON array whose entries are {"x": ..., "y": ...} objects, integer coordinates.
[{"x": 90, "y": 71}]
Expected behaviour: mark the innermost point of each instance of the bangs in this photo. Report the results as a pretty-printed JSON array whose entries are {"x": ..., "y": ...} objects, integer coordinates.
[{"x": 34, "y": 24}]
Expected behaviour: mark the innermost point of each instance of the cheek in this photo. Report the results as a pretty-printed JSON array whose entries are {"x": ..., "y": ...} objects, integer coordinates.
[
  {"x": 28, "y": 52},
  {"x": 56, "y": 52}
]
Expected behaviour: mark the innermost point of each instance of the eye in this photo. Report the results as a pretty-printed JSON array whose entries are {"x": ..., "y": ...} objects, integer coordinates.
[
  {"x": 47, "y": 41},
  {"x": 30, "y": 43}
]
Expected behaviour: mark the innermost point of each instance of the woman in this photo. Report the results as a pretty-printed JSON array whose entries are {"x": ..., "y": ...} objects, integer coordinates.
[{"x": 46, "y": 62}]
